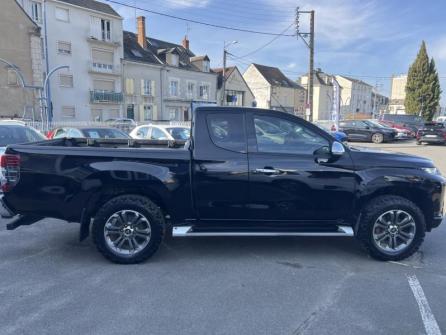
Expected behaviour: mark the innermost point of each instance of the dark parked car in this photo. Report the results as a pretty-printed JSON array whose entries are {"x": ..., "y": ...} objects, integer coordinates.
[
  {"x": 87, "y": 132},
  {"x": 367, "y": 131},
  {"x": 432, "y": 133},
  {"x": 289, "y": 179}
]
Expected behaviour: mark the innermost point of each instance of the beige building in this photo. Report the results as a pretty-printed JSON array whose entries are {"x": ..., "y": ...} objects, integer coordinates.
[
  {"x": 237, "y": 91},
  {"x": 273, "y": 90},
  {"x": 356, "y": 96},
  {"x": 20, "y": 44},
  {"x": 322, "y": 94},
  {"x": 398, "y": 94}
]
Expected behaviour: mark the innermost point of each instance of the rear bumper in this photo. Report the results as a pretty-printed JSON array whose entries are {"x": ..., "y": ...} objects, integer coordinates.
[
  {"x": 438, "y": 140},
  {"x": 5, "y": 212}
]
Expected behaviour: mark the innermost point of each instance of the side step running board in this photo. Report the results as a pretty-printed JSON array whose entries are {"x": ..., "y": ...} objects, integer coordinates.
[{"x": 185, "y": 231}]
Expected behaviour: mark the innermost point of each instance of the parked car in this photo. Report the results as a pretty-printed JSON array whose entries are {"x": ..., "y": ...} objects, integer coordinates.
[
  {"x": 124, "y": 124},
  {"x": 413, "y": 122},
  {"x": 87, "y": 132},
  {"x": 402, "y": 132},
  {"x": 161, "y": 132},
  {"x": 330, "y": 128},
  {"x": 432, "y": 133},
  {"x": 441, "y": 119},
  {"x": 229, "y": 180},
  {"x": 367, "y": 131},
  {"x": 14, "y": 132}
]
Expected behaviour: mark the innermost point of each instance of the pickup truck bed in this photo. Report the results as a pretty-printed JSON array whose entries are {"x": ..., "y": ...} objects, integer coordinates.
[{"x": 244, "y": 172}]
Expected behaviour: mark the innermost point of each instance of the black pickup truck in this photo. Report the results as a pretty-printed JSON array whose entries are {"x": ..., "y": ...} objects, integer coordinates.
[{"x": 243, "y": 172}]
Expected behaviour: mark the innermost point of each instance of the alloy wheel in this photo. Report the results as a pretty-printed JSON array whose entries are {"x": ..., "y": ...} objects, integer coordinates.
[
  {"x": 127, "y": 232},
  {"x": 394, "y": 231}
]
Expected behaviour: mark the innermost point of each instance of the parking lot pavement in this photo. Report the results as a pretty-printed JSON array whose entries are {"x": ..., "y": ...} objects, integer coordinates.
[{"x": 52, "y": 284}]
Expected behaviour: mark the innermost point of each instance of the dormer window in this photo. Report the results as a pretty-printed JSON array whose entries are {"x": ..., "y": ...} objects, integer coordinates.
[
  {"x": 173, "y": 59},
  {"x": 206, "y": 66}
]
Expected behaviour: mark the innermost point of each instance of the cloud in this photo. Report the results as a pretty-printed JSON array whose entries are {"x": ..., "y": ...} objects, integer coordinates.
[
  {"x": 291, "y": 65},
  {"x": 187, "y": 3}
]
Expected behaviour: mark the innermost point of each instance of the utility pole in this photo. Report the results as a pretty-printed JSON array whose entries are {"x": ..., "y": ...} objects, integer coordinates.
[
  {"x": 223, "y": 86},
  {"x": 308, "y": 39}
]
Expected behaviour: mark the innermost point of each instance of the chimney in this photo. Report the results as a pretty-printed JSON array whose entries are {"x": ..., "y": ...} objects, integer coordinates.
[
  {"x": 185, "y": 43},
  {"x": 141, "y": 25}
]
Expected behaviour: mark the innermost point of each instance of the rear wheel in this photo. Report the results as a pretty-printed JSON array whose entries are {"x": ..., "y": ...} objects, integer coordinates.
[
  {"x": 377, "y": 138},
  {"x": 391, "y": 228},
  {"x": 128, "y": 229}
]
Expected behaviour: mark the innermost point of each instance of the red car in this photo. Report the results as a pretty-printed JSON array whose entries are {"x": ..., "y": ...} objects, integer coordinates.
[{"x": 403, "y": 131}]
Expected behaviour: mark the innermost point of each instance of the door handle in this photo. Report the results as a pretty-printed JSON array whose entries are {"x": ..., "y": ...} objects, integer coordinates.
[{"x": 267, "y": 171}]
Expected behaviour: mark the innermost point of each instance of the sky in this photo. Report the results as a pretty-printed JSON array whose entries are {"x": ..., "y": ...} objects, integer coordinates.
[{"x": 370, "y": 40}]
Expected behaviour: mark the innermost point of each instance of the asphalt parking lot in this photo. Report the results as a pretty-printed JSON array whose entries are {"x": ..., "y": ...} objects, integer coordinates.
[{"x": 52, "y": 284}]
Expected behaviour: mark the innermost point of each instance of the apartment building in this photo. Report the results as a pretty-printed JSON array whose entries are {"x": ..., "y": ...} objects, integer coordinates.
[
  {"x": 398, "y": 94},
  {"x": 20, "y": 45},
  {"x": 356, "y": 96},
  {"x": 163, "y": 79},
  {"x": 237, "y": 91},
  {"x": 87, "y": 36},
  {"x": 273, "y": 90},
  {"x": 322, "y": 94}
]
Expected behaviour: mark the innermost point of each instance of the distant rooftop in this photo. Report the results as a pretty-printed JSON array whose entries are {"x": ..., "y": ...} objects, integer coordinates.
[
  {"x": 275, "y": 77},
  {"x": 93, "y": 5}
]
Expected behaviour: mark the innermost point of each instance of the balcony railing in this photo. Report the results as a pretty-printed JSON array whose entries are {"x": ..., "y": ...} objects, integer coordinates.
[
  {"x": 104, "y": 68},
  {"x": 105, "y": 97}
]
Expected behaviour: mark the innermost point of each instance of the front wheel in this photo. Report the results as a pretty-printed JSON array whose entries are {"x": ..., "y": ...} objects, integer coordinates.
[
  {"x": 128, "y": 229},
  {"x": 391, "y": 228},
  {"x": 377, "y": 138}
]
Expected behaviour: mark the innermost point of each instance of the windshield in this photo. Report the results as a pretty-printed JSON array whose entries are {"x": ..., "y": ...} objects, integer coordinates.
[
  {"x": 179, "y": 133},
  {"x": 12, "y": 134},
  {"x": 104, "y": 133}
]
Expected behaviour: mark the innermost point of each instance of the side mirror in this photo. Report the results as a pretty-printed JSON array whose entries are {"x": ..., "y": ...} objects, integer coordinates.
[{"x": 337, "y": 149}]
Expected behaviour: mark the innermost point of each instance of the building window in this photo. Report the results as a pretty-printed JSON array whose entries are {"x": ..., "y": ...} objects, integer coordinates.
[
  {"x": 130, "y": 86},
  {"x": 66, "y": 80},
  {"x": 204, "y": 91},
  {"x": 191, "y": 90},
  {"x": 106, "y": 30},
  {"x": 174, "y": 114},
  {"x": 173, "y": 59},
  {"x": 102, "y": 60},
  {"x": 101, "y": 85},
  {"x": 12, "y": 78},
  {"x": 234, "y": 98},
  {"x": 206, "y": 66},
  {"x": 147, "y": 87},
  {"x": 62, "y": 14},
  {"x": 147, "y": 113},
  {"x": 64, "y": 48},
  {"x": 36, "y": 11},
  {"x": 68, "y": 112},
  {"x": 173, "y": 88}
]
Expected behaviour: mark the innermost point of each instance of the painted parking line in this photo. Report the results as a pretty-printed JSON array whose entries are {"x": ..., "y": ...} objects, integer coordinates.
[{"x": 430, "y": 324}]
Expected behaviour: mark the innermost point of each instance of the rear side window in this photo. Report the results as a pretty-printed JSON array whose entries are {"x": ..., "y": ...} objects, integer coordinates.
[
  {"x": 227, "y": 131},
  {"x": 18, "y": 134}
]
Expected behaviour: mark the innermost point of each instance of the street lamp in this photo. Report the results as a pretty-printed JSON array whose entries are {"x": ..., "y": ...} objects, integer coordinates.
[{"x": 225, "y": 46}]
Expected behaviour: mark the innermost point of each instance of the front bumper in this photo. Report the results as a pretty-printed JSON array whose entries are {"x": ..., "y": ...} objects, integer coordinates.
[{"x": 5, "y": 212}]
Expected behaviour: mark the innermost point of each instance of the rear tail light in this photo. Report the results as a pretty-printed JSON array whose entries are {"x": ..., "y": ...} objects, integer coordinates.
[{"x": 10, "y": 171}]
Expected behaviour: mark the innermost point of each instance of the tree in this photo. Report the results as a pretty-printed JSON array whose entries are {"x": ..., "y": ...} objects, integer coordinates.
[{"x": 423, "y": 86}]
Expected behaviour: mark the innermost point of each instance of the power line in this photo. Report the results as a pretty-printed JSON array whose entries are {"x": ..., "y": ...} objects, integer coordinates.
[
  {"x": 198, "y": 22},
  {"x": 266, "y": 44}
]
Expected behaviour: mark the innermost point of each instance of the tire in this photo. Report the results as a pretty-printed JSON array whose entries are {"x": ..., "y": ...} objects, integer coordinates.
[
  {"x": 418, "y": 143},
  {"x": 142, "y": 237},
  {"x": 369, "y": 228},
  {"x": 377, "y": 138}
]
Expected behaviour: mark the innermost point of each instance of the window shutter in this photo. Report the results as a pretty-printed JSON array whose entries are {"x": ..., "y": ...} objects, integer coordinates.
[
  {"x": 141, "y": 112},
  {"x": 152, "y": 85},
  {"x": 154, "y": 113},
  {"x": 95, "y": 27},
  {"x": 142, "y": 87}
]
